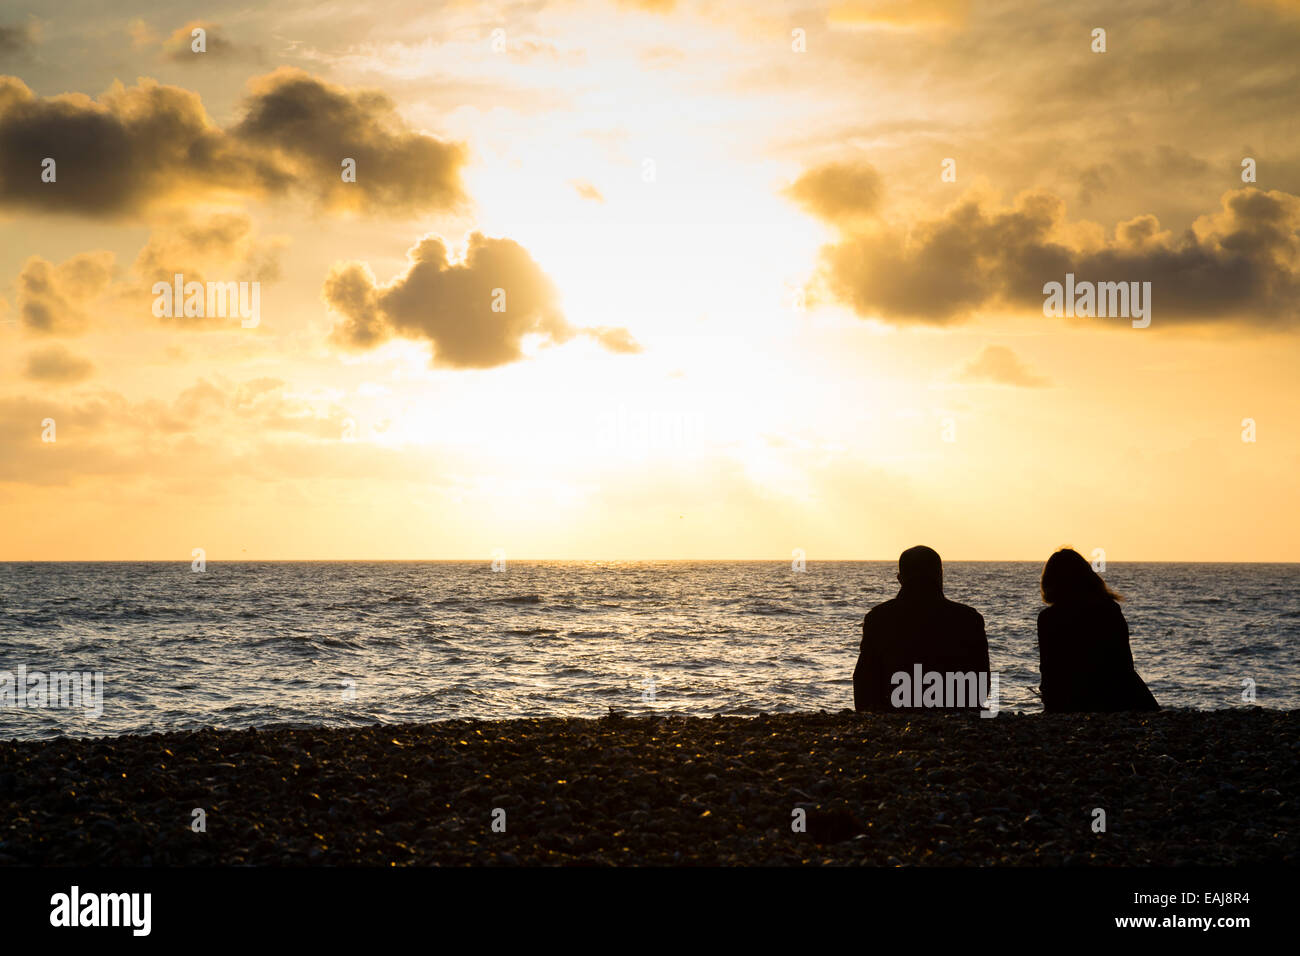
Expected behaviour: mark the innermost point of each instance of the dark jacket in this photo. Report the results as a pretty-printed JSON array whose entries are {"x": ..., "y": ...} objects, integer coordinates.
[
  {"x": 916, "y": 628},
  {"x": 1085, "y": 660}
]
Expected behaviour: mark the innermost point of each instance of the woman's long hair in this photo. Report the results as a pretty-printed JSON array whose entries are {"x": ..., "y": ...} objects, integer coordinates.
[{"x": 1067, "y": 576}]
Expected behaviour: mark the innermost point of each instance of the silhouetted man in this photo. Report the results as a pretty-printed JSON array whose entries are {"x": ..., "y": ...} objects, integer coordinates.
[{"x": 920, "y": 650}]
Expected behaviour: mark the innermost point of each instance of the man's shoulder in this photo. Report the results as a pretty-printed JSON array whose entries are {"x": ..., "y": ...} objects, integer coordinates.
[
  {"x": 885, "y": 608},
  {"x": 965, "y": 611}
]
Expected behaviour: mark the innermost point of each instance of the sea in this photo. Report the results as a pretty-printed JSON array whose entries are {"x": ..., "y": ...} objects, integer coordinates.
[{"x": 354, "y": 643}]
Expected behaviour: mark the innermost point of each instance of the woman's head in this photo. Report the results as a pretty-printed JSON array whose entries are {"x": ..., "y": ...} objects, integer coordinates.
[{"x": 1067, "y": 576}]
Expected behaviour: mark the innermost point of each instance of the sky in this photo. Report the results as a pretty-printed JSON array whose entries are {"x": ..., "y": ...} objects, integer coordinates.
[{"x": 607, "y": 280}]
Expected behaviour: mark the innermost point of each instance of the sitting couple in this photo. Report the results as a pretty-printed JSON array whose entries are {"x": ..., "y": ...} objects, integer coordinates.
[{"x": 922, "y": 638}]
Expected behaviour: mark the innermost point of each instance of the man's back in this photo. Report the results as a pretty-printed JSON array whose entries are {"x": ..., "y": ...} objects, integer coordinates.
[{"x": 927, "y": 630}]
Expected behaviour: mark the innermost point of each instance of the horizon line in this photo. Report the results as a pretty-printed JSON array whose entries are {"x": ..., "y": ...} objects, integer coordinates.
[{"x": 528, "y": 560}]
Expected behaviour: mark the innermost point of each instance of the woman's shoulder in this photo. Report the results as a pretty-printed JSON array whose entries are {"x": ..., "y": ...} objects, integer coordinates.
[
  {"x": 1103, "y": 608},
  {"x": 1051, "y": 613},
  {"x": 1050, "y": 623},
  {"x": 1110, "y": 608}
]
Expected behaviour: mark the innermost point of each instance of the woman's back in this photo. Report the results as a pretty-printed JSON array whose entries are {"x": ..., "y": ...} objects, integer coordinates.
[{"x": 1085, "y": 660}]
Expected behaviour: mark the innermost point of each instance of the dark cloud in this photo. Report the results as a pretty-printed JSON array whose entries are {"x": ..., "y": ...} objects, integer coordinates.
[
  {"x": 17, "y": 39},
  {"x": 1094, "y": 181},
  {"x": 451, "y": 305},
  {"x": 1135, "y": 169},
  {"x": 150, "y": 145},
  {"x": 838, "y": 192},
  {"x": 1239, "y": 263},
  {"x": 132, "y": 149},
  {"x": 56, "y": 365},
  {"x": 317, "y": 125},
  {"x": 999, "y": 365},
  {"x": 1157, "y": 93}
]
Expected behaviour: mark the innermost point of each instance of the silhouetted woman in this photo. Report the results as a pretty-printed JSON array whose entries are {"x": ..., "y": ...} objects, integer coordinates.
[{"x": 1083, "y": 650}]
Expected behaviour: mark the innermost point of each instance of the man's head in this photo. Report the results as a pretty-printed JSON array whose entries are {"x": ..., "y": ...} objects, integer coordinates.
[{"x": 920, "y": 569}]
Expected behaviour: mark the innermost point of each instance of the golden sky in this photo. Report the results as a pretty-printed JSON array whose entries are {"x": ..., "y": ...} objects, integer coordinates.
[{"x": 649, "y": 280}]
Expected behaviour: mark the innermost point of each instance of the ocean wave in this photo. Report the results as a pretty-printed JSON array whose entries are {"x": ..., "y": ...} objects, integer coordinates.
[{"x": 574, "y": 640}]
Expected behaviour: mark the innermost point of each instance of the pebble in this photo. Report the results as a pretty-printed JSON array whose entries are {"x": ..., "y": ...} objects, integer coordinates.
[{"x": 703, "y": 791}]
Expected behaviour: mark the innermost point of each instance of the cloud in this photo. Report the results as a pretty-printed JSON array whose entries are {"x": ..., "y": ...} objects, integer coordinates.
[
  {"x": 839, "y": 192},
  {"x": 223, "y": 242},
  {"x": 264, "y": 403},
  {"x": 179, "y": 47},
  {"x": 133, "y": 149},
  {"x": 1163, "y": 164},
  {"x": 451, "y": 304},
  {"x": 18, "y": 39},
  {"x": 663, "y": 57},
  {"x": 1240, "y": 263},
  {"x": 899, "y": 13},
  {"x": 1006, "y": 127},
  {"x": 1281, "y": 6},
  {"x": 57, "y": 365},
  {"x": 615, "y": 339},
  {"x": 587, "y": 191},
  {"x": 25, "y": 459},
  {"x": 317, "y": 125},
  {"x": 63, "y": 299},
  {"x": 220, "y": 248},
  {"x": 998, "y": 365},
  {"x": 141, "y": 34},
  {"x": 152, "y": 146},
  {"x": 649, "y": 6},
  {"x": 212, "y": 431},
  {"x": 53, "y": 300}
]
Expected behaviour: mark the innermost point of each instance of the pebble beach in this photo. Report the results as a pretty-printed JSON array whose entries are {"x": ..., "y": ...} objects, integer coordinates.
[{"x": 1175, "y": 787}]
